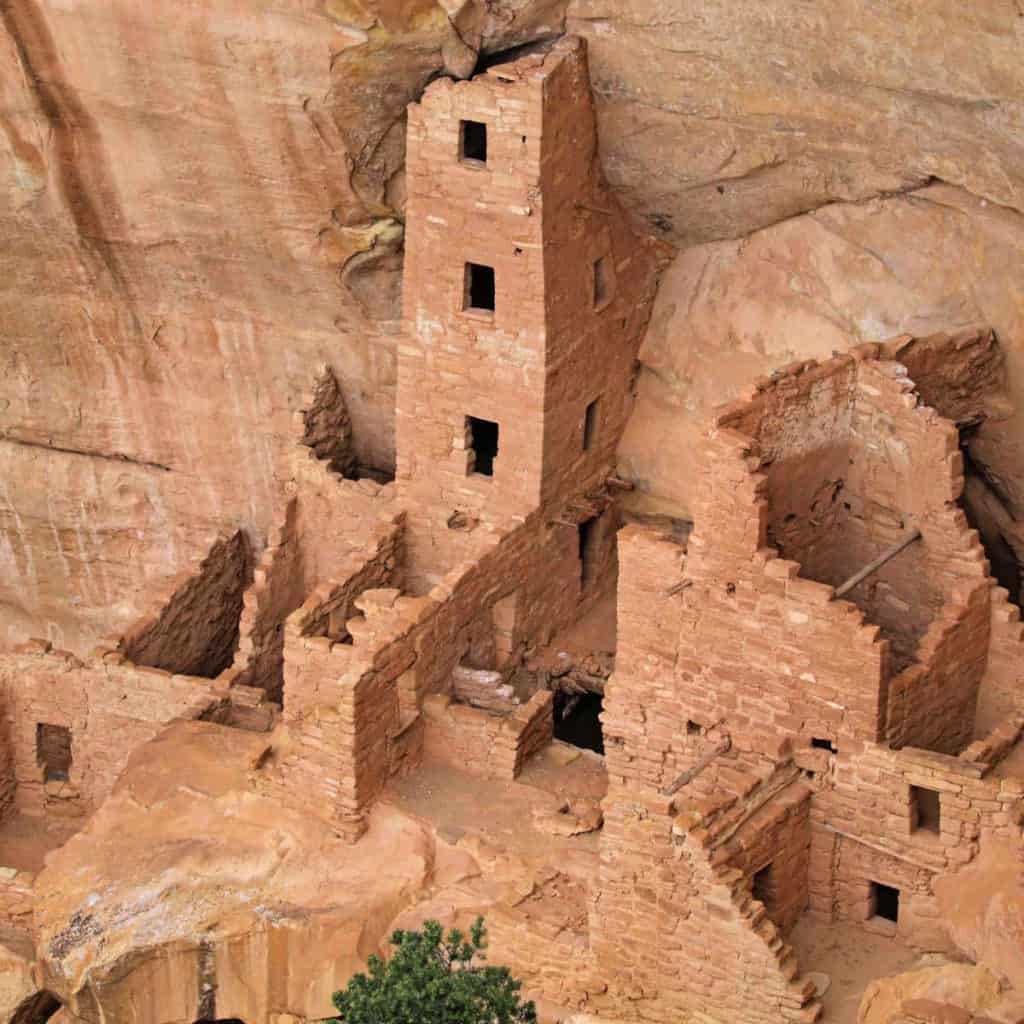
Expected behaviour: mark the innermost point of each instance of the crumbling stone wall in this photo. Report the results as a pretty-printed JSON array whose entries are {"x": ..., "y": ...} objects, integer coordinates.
[
  {"x": 196, "y": 631},
  {"x": 277, "y": 589}
]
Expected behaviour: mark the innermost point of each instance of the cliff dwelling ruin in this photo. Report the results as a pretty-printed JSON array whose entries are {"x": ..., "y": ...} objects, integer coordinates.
[{"x": 666, "y": 763}]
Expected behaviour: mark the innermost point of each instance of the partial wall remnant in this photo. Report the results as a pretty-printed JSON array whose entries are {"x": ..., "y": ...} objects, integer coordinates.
[
  {"x": 328, "y": 428},
  {"x": 196, "y": 631}
]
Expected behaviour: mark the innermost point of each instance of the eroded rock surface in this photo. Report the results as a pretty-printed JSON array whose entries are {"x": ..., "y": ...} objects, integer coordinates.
[
  {"x": 983, "y": 908},
  {"x": 718, "y": 120},
  {"x": 188, "y": 878}
]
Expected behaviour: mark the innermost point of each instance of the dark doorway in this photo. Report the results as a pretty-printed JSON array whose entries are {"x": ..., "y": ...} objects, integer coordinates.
[
  {"x": 473, "y": 141},
  {"x": 483, "y": 438},
  {"x": 577, "y": 720},
  {"x": 885, "y": 902},
  {"x": 479, "y": 287},
  {"x": 53, "y": 752}
]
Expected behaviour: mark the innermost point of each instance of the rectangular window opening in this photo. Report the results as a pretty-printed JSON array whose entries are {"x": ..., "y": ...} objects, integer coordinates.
[
  {"x": 590, "y": 422},
  {"x": 822, "y": 744},
  {"x": 479, "y": 288},
  {"x": 588, "y": 552},
  {"x": 885, "y": 902},
  {"x": 483, "y": 438},
  {"x": 602, "y": 281},
  {"x": 473, "y": 141},
  {"x": 924, "y": 810},
  {"x": 53, "y": 752}
]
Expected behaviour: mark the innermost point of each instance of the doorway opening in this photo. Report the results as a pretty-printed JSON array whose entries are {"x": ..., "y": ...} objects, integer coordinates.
[{"x": 577, "y": 720}]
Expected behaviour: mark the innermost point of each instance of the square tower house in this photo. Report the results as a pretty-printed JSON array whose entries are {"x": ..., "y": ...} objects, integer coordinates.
[{"x": 513, "y": 376}]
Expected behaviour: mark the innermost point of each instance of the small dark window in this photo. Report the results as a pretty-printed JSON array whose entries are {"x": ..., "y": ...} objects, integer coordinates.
[
  {"x": 588, "y": 552},
  {"x": 885, "y": 902},
  {"x": 692, "y": 728},
  {"x": 483, "y": 438},
  {"x": 602, "y": 281},
  {"x": 924, "y": 810},
  {"x": 763, "y": 888},
  {"x": 590, "y": 423},
  {"x": 473, "y": 141},
  {"x": 820, "y": 744},
  {"x": 53, "y": 752},
  {"x": 479, "y": 288}
]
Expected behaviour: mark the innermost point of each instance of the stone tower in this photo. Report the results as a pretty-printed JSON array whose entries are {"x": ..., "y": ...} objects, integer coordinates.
[{"x": 514, "y": 373}]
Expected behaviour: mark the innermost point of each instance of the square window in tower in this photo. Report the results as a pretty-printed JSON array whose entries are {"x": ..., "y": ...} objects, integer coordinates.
[
  {"x": 483, "y": 438},
  {"x": 924, "y": 810},
  {"x": 473, "y": 141},
  {"x": 478, "y": 293}
]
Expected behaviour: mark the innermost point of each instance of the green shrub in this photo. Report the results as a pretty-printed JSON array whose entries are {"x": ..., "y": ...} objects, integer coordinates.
[{"x": 431, "y": 979}]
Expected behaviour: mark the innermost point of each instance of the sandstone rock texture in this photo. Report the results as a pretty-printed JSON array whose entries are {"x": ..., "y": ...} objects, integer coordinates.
[
  {"x": 961, "y": 986},
  {"x": 718, "y": 120},
  {"x": 984, "y": 912}
]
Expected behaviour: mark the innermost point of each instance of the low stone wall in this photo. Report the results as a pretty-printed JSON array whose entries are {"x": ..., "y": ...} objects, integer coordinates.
[
  {"x": 991, "y": 749},
  {"x": 483, "y": 743},
  {"x": 868, "y": 830},
  {"x": 931, "y": 704}
]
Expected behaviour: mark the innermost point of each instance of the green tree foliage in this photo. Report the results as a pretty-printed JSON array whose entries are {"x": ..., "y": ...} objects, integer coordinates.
[{"x": 431, "y": 979}]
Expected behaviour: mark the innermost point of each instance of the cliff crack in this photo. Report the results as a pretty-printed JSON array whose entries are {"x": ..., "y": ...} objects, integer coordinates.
[{"x": 86, "y": 453}]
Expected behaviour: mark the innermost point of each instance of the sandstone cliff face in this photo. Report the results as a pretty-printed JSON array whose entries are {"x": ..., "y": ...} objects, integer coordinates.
[
  {"x": 935, "y": 259},
  {"x": 203, "y": 204}
]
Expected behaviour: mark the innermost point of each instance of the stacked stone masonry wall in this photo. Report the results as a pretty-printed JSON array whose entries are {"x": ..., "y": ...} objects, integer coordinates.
[
  {"x": 347, "y": 704},
  {"x": 732, "y": 666},
  {"x": 334, "y": 516},
  {"x": 483, "y": 743},
  {"x": 110, "y": 706},
  {"x": 17, "y": 896},
  {"x": 538, "y": 214}
]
